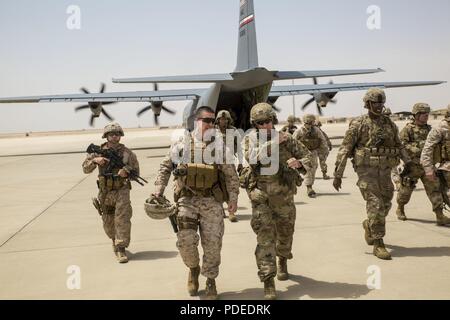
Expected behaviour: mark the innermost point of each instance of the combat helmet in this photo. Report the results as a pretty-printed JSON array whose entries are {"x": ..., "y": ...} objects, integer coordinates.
[
  {"x": 112, "y": 127},
  {"x": 224, "y": 114},
  {"x": 375, "y": 95},
  {"x": 309, "y": 119},
  {"x": 262, "y": 111},
  {"x": 318, "y": 123},
  {"x": 291, "y": 119},
  {"x": 158, "y": 207},
  {"x": 421, "y": 108}
]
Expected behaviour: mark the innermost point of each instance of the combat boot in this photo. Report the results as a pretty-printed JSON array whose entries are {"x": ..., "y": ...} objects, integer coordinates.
[
  {"x": 380, "y": 251},
  {"x": 192, "y": 284},
  {"x": 282, "y": 272},
  {"x": 401, "y": 213},
  {"x": 367, "y": 234},
  {"x": 442, "y": 219},
  {"x": 232, "y": 217},
  {"x": 121, "y": 255},
  {"x": 269, "y": 289},
  {"x": 311, "y": 193},
  {"x": 325, "y": 176},
  {"x": 211, "y": 291}
]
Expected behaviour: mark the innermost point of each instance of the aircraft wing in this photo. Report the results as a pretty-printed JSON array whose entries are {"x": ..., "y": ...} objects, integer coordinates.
[
  {"x": 138, "y": 96},
  {"x": 293, "y": 90}
]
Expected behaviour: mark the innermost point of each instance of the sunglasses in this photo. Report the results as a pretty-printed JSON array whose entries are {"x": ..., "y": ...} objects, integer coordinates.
[
  {"x": 263, "y": 122},
  {"x": 207, "y": 120},
  {"x": 114, "y": 134}
]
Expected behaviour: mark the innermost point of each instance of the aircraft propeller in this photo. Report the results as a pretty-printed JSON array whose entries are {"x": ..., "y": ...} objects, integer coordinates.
[
  {"x": 96, "y": 107},
  {"x": 321, "y": 99},
  {"x": 156, "y": 107}
]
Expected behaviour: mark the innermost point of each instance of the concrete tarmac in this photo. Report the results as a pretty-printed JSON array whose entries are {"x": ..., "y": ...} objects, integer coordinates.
[{"x": 50, "y": 233}]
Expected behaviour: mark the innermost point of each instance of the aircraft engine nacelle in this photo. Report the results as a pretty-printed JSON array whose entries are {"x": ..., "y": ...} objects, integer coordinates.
[
  {"x": 96, "y": 109},
  {"x": 322, "y": 99},
  {"x": 156, "y": 108}
]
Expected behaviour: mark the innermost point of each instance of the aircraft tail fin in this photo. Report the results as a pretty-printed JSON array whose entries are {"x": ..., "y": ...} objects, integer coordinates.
[{"x": 247, "y": 57}]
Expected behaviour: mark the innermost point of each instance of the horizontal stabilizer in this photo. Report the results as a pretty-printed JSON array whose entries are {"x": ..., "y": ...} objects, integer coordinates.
[
  {"x": 290, "y": 75},
  {"x": 202, "y": 78}
]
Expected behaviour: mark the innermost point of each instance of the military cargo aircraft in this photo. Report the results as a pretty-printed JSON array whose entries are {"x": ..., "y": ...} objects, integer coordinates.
[{"x": 235, "y": 91}]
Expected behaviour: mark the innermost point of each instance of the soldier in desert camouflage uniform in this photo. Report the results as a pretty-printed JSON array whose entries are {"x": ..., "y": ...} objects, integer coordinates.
[
  {"x": 290, "y": 127},
  {"x": 200, "y": 189},
  {"x": 272, "y": 196},
  {"x": 413, "y": 137},
  {"x": 224, "y": 123},
  {"x": 323, "y": 153},
  {"x": 311, "y": 136},
  {"x": 437, "y": 150},
  {"x": 373, "y": 142},
  {"x": 114, "y": 191}
]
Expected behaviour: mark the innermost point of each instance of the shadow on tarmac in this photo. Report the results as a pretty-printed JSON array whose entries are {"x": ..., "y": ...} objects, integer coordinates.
[
  {"x": 304, "y": 287},
  {"x": 398, "y": 251},
  {"x": 332, "y": 194},
  {"x": 153, "y": 255}
]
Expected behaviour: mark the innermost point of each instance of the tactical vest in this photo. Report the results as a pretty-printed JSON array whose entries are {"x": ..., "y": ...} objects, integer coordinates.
[
  {"x": 311, "y": 140},
  {"x": 442, "y": 150},
  {"x": 201, "y": 179},
  {"x": 111, "y": 181},
  {"x": 378, "y": 151},
  {"x": 416, "y": 140}
]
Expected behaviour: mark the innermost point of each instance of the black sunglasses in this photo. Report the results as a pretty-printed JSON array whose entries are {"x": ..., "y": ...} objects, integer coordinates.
[
  {"x": 263, "y": 122},
  {"x": 207, "y": 120}
]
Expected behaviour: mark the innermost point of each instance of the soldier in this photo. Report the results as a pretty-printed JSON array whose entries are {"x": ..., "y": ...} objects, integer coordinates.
[
  {"x": 224, "y": 122},
  {"x": 323, "y": 154},
  {"x": 373, "y": 142},
  {"x": 272, "y": 196},
  {"x": 438, "y": 140},
  {"x": 200, "y": 189},
  {"x": 290, "y": 127},
  {"x": 413, "y": 136},
  {"x": 114, "y": 190},
  {"x": 313, "y": 139}
]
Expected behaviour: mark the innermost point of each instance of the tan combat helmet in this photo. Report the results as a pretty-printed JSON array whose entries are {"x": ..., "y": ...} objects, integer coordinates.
[
  {"x": 291, "y": 119},
  {"x": 387, "y": 112},
  {"x": 318, "y": 123},
  {"x": 421, "y": 108},
  {"x": 224, "y": 114},
  {"x": 309, "y": 119},
  {"x": 375, "y": 95},
  {"x": 261, "y": 112},
  {"x": 112, "y": 127}
]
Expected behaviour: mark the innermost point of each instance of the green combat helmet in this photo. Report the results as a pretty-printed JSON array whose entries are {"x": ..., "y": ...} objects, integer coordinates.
[
  {"x": 309, "y": 119},
  {"x": 421, "y": 108},
  {"x": 261, "y": 112},
  {"x": 224, "y": 114},
  {"x": 387, "y": 112},
  {"x": 375, "y": 95},
  {"x": 112, "y": 127}
]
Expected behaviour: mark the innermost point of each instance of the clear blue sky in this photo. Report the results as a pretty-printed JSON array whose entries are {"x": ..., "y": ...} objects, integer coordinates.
[{"x": 39, "y": 55}]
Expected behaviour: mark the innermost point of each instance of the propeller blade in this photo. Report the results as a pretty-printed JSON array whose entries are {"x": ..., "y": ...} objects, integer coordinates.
[
  {"x": 319, "y": 110},
  {"x": 102, "y": 88},
  {"x": 333, "y": 101},
  {"x": 107, "y": 115},
  {"x": 274, "y": 107},
  {"x": 143, "y": 110},
  {"x": 82, "y": 107},
  {"x": 83, "y": 89},
  {"x": 307, "y": 103},
  {"x": 155, "y": 118},
  {"x": 91, "y": 121},
  {"x": 111, "y": 102},
  {"x": 168, "y": 110}
]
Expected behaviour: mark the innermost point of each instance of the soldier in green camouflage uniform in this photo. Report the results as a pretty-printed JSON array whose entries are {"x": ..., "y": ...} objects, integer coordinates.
[
  {"x": 200, "y": 187},
  {"x": 272, "y": 196},
  {"x": 114, "y": 192},
  {"x": 374, "y": 144},
  {"x": 413, "y": 137},
  {"x": 224, "y": 123},
  {"x": 290, "y": 127},
  {"x": 311, "y": 136},
  {"x": 323, "y": 153},
  {"x": 437, "y": 150}
]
